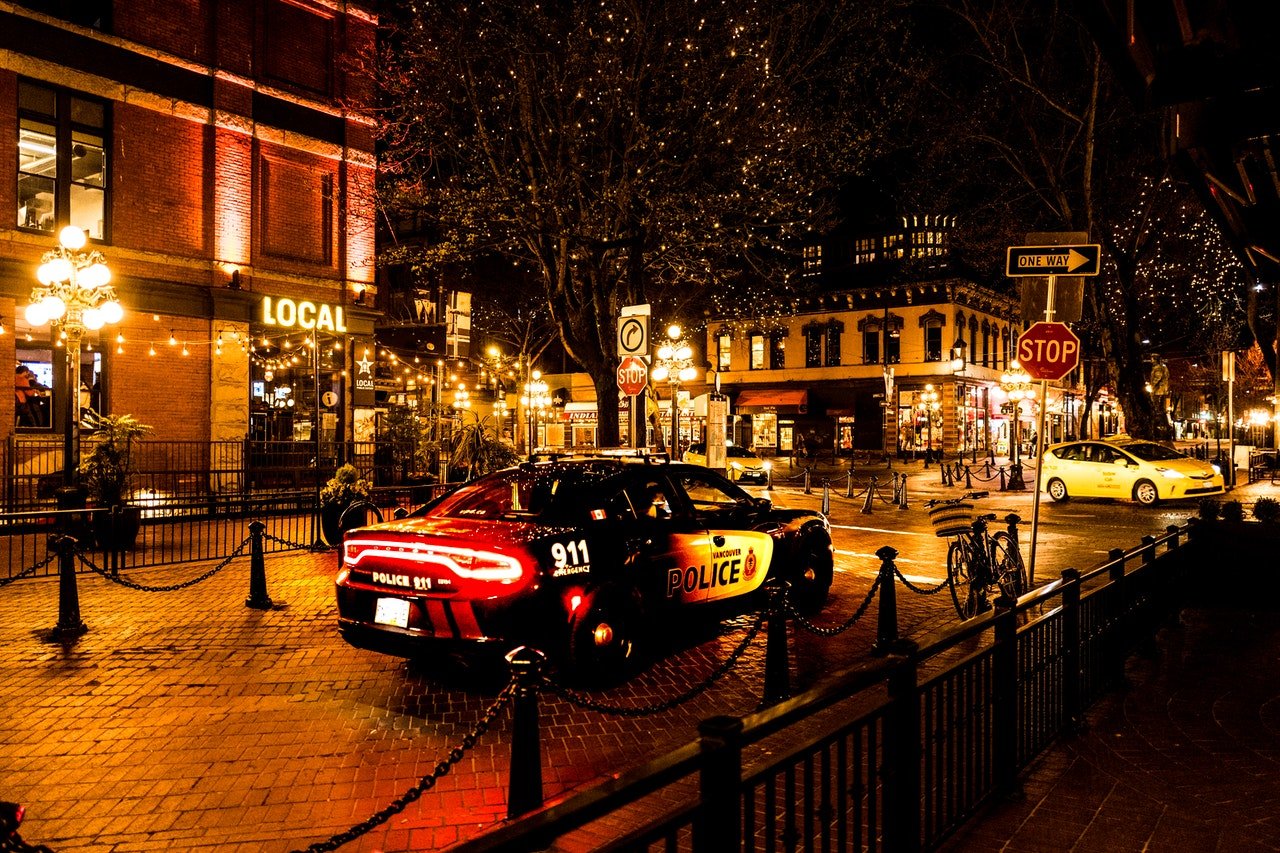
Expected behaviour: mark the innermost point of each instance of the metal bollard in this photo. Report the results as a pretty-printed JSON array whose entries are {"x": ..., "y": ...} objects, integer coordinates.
[
  {"x": 871, "y": 493},
  {"x": 848, "y": 485},
  {"x": 887, "y": 617},
  {"x": 1015, "y": 478},
  {"x": 826, "y": 497},
  {"x": 902, "y": 493},
  {"x": 777, "y": 673},
  {"x": 1004, "y": 487},
  {"x": 69, "y": 624},
  {"x": 807, "y": 489},
  {"x": 946, "y": 475},
  {"x": 524, "y": 792},
  {"x": 968, "y": 477},
  {"x": 258, "y": 598}
]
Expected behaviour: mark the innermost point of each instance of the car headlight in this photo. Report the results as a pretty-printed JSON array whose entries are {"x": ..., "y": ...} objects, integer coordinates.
[
  {"x": 737, "y": 466},
  {"x": 1216, "y": 468},
  {"x": 767, "y": 465},
  {"x": 1170, "y": 473}
]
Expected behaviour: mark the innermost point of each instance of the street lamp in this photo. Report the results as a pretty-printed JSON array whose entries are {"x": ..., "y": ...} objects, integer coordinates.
[
  {"x": 1017, "y": 384},
  {"x": 675, "y": 365},
  {"x": 74, "y": 294},
  {"x": 536, "y": 401},
  {"x": 929, "y": 406}
]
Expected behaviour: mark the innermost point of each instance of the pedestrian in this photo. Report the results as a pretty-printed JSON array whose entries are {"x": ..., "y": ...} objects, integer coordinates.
[{"x": 27, "y": 392}]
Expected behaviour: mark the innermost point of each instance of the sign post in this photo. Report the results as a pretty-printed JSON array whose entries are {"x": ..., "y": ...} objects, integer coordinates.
[
  {"x": 633, "y": 345},
  {"x": 1053, "y": 350}
]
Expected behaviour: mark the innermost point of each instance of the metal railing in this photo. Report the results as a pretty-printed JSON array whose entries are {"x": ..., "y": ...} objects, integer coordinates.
[{"x": 896, "y": 753}]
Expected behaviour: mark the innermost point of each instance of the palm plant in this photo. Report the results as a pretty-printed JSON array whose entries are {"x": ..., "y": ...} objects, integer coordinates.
[{"x": 477, "y": 448}]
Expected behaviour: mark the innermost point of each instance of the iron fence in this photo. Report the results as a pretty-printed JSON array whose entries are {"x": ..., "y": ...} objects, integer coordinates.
[{"x": 895, "y": 753}]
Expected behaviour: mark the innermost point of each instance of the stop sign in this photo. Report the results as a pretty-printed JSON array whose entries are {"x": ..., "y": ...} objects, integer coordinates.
[
  {"x": 633, "y": 375},
  {"x": 1048, "y": 350}
]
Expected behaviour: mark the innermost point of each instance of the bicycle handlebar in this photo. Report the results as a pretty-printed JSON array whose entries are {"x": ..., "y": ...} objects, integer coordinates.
[{"x": 967, "y": 496}]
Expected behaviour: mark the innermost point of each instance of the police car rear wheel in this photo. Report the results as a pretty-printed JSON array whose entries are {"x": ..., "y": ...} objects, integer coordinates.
[
  {"x": 811, "y": 581},
  {"x": 603, "y": 640}
]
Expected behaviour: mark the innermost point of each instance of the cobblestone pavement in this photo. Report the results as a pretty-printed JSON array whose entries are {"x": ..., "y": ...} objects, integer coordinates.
[{"x": 187, "y": 721}]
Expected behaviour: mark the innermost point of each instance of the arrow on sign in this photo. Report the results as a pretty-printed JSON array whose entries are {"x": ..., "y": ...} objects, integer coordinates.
[{"x": 1053, "y": 260}]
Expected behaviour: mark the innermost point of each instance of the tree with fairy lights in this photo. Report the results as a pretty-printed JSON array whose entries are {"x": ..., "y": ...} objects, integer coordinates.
[
  {"x": 1032, "y": 134},
  {"x": 620, "y": 152}
]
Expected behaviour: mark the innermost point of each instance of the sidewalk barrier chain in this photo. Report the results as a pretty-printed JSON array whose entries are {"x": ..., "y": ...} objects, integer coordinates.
[
  {"x": 826, "y": 496},
  {"x": 866, "y": 506},
  {"x": 289, "y": 544},
  {"x": 832, "y": 631},
  {"x": 919, "y": 590},
  {"x": 31, "y": 570},
  {"x": 125, "y": 582},
  {"x": 424, "y": 784},
  {"x": 585, "y": 702}
]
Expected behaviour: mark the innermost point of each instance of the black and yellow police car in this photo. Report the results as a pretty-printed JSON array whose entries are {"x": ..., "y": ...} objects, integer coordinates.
[{"x": 580, "y": 555}]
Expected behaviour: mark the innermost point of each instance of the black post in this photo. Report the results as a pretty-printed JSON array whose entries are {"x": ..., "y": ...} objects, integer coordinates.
[
  {"x": 69, "y": 624},
  {"x": 524, "y": 792},
  {"x": 777, "y": 670},
  {"x": 826, "y": 496},
  {"x": 871, "y": 493},
  {"x": 1005, "y": 699},
  {"x": 1071, "y": 704},
  {"x": 902, "y": 755},
  {"x": 717, "y": 826},
  {"x": 258, "y": 598},
  {"x": 1016, "y": 483},
  {"x": 887, "y": 616},
  {"x": 1116, "y": 643}
]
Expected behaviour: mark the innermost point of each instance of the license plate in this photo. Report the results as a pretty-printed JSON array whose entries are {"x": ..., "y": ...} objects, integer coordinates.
[{"x": 392, "y": 611}]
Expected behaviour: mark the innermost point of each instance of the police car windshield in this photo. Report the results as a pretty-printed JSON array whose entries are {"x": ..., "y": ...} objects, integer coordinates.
[{"x": 552, "y": 495}]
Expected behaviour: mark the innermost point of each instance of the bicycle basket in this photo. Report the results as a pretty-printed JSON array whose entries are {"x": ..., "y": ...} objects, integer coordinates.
[{"x": 951, "y": 519}]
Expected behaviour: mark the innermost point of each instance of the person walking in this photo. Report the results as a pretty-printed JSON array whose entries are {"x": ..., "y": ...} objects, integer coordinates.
[{"x": 27, "y": 392}]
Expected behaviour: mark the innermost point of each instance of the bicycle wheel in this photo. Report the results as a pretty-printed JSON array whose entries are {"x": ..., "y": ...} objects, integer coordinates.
[
  {"x": 1006, "y": 565},
  {"x": 969, "y": 600}
]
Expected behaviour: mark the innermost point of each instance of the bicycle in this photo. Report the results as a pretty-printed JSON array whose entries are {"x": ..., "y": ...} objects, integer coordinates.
[{"x": 978, "y": 561}]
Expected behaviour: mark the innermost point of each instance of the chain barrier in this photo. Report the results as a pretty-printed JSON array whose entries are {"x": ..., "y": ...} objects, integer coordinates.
[
  {"x": 824, "y": 631},
  {"x": 185, "y": 584},
  {"x": 28, "y": 572},
  {"x": 426, "y": 783},
  {"x": 289, "y": 544},
  {"x": 585, "y": 702},
  {"x": 919, "y": 590}
]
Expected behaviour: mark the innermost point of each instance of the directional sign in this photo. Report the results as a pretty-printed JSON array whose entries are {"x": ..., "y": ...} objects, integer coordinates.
[
  {"x": 633, "y": 375},
  {"x": 1048, "y": 351},
  {"x": 633, "y": 335},
  {"x": 1054, "y": 260}
]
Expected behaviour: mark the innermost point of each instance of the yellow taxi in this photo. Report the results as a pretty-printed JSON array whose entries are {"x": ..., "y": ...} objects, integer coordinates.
[
  {"x": 1144, "y": 471},
  {"x": 742, "y": 465}
]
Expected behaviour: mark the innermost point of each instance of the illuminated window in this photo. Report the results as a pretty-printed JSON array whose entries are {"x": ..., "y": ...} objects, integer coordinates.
[
  {"x": 757, "y": 351},
  {"x": 724, "y": 342},
  {"x": 62, "y": 163},
  {"x": 864, "y": 250},
  {"x": 813, "y": 346},
  {"x": 812, "y": 260},
  {"x": 833, "y": 346},
  {"x": 777, "y": 352}
]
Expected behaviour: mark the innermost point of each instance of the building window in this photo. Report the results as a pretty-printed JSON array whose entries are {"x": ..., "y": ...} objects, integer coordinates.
[
  {"x": 933, "y": 343},
  {"x": 833, "y": 346},
  {"x": 757, "y": 351},
  {"x": 871, "y": 346},
  {"x": 724, "y": 342},
  {"x": 812, "y": 260},
  {"x": 864, "y": 250},
  {"x": 813, "y": 347},
  {"x": 62, "y": 163},
  {"x": 777, "y": 352}
]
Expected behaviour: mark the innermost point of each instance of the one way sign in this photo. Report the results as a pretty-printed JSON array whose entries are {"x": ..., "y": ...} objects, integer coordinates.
[{"x": 1053, "y": 260}]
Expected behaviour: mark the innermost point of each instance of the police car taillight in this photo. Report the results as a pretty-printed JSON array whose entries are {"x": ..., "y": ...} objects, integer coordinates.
[{"x": 469, "y": 563}]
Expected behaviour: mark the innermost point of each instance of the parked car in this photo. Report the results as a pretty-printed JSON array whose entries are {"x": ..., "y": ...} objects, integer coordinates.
[
  {"x": 1144, "y": 471},
  {"x": 585, "y": 557},
  {"x": 742, "y": 465}
]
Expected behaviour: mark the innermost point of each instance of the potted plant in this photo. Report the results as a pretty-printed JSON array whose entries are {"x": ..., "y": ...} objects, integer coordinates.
[
  {"x": 107, "y": 474},
  {"x": 344, "y": 488},
  {"x": 475, "y": 449}
]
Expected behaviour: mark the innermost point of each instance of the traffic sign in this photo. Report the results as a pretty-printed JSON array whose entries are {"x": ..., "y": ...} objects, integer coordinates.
[
  {"x": 633, "y": 330},
  {"x": 633, "y": 375},
  {"x": 1054, "y": 260},
  {"x": 1048, "y": 351}
]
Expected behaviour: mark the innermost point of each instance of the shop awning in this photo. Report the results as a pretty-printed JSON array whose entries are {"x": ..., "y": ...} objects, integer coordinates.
[{"x": 792, "y": 400}]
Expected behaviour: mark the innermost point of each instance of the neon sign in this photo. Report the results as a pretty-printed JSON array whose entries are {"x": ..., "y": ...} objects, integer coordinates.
[{"x": 303, "y": 313}]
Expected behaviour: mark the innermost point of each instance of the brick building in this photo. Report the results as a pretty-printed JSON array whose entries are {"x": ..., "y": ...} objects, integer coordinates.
[{"x": 216, "y": 155}]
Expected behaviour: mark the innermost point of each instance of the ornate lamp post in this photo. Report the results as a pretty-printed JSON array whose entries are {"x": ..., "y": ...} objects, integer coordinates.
[
  {"x": 74, "y": 295},
  {"x": 675, "y": 365},
  {"x": 536, "y": 401},
  {"x": 1017, "y": 384}
]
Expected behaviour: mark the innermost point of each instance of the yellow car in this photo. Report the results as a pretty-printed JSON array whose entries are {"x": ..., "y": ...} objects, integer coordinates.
[
  {"x": 743, "y": 465},
  {"x": 1144, "y": 471}
]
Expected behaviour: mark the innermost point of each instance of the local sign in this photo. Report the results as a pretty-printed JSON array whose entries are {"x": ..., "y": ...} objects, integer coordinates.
[
  {"x": 1053, "y": 260},
  {"x": 633, "y": 375},
  {"x": 1048, "y": 351}
]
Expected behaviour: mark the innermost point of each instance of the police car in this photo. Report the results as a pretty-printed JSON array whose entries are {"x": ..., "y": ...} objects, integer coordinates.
[{"x": 581, "y": 556}]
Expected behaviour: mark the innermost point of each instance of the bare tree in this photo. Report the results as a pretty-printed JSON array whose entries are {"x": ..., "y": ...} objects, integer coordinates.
[{"x": 621, "y": 151}]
